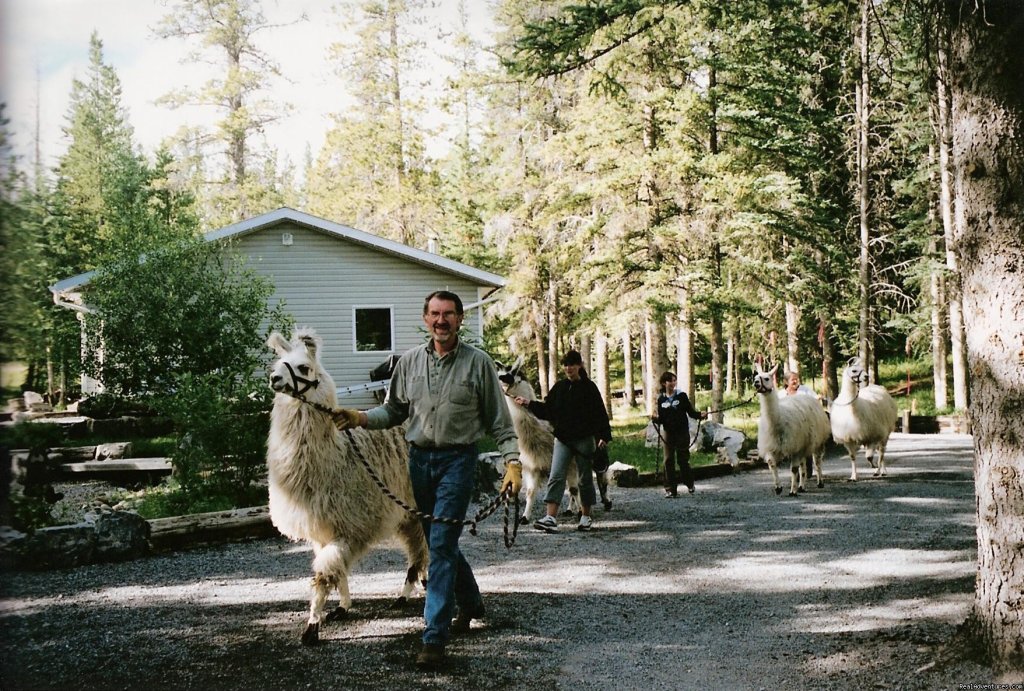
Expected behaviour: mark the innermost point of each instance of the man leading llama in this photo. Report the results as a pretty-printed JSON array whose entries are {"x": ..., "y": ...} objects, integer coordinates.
[{"x": 449, "y": 392}]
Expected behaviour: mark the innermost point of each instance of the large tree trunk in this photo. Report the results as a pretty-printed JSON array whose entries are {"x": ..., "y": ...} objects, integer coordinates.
[
  {"x": 958, "y": 346},
  {"x": 538, "y": 341},
  {"x": 553, "y": 352},
  {"x": 988, "y": 153},
  {"x": 717, "y": 370},
  {"x": 657, "y": 357},
  {"x": 601, "y": 373},
  {"x": 792, "y": 338},
  {"x": 629, "y": 379},
  {"x": 684, "y": 346},
  {"x": 864, "y": 335},
  {"x": 936, "y": 292}
]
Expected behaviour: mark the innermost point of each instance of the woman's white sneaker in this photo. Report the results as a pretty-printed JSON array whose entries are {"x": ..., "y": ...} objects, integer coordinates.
[
  {"x": 585, "y": 524},
  {"x": 548, "y": 524}
]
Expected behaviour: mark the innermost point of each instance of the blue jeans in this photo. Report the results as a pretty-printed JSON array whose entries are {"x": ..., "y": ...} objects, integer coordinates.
[
  {"x": 442, "y": 483},
  {"x": 583, "y": 450}
]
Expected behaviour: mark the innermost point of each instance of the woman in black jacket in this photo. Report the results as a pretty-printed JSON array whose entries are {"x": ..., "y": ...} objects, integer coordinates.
[
  {"x": 577, "y": 413},
  {"x": 671, "y": 415}
]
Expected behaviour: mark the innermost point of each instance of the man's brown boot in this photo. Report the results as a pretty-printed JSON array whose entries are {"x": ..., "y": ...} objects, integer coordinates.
[{"x": 431, "y": 656}]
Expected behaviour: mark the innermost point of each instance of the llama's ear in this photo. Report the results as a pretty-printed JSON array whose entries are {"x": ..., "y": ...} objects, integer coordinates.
[
  {"x": 853, "y": 361},
  {"x": 773, "y": 370},
  {"x": 311, "y": 341},
  {"x": 277, "y": 343}
]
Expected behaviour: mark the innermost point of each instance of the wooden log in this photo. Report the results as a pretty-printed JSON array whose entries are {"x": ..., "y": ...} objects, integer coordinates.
[
  {"x": 121, "y": 465},
  {"x": 200, "y": 529}
]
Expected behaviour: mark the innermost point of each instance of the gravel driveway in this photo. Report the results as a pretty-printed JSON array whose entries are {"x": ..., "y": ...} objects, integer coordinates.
[{"x": 854, "y": 586}]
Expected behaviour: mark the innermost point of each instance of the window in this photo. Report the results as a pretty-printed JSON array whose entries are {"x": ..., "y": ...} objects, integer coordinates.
[{"x": 373, "y": 332}]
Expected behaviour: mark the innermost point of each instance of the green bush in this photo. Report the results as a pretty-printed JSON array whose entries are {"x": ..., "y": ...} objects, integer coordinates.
[
  {"x": 221, "y": 425},
  {"x": 35, "y": 436}
]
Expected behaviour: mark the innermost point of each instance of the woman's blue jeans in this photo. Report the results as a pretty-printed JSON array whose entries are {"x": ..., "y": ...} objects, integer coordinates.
[
  {"x": 442, "y": 483},
  {"x": 583, "y": 449}
]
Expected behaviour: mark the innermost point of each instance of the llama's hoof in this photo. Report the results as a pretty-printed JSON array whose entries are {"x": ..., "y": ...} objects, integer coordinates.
[
  {"x": 792, "y": 494},
  {"x": 337, "y": 613},
  {"x": 799, "y": 489},
  {"x": 568, "y": 512},
  {"x": 821, "y": 483},
  {"x": 524, "y": 519},
  {"x": 778, "y": 490},
  {"x": 607, "y": 504},
  {"x": 311, "y": 636}
]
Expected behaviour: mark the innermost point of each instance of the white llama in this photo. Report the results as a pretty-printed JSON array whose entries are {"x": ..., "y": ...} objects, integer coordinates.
[
  {"x": 536, "y": 443},
  {"x": 863, "y": 415},
  {"x": 318, "y": 491},
  {"x": 790, "y": 428}
]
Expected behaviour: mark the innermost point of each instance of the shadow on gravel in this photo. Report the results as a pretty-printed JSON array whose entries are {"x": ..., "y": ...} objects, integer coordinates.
[{"x": 855, "y": 585}]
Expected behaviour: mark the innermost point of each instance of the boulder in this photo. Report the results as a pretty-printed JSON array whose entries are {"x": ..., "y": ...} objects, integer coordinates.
[{"x": 622, "y": 475}]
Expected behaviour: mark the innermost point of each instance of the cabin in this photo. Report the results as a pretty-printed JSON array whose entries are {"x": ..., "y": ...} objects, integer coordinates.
[{"x": 362, "y": 293}]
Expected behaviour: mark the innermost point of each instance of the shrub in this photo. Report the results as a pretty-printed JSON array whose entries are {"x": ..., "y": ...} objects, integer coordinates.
[{"x": 221, "y": 425}]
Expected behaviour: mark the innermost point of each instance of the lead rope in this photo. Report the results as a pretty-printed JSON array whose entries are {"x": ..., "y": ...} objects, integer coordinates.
[{"x": 483, "y": 513}]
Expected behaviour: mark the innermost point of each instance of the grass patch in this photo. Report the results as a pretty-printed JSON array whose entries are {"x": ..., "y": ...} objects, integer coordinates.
[
  {"x": 168, "y": 499},
  {"x": 629, "y": 443}
]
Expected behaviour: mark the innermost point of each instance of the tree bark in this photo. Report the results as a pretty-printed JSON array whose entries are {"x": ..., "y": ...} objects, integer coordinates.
[
  {"x": 629, "y": 379},
  {"x": 601, "y": 373},
  {"x": 684, "y": 346},
  {"x": 947, "y": 203},
  {"x": 657, "y": 357},
  {"x": 538, "y": 341},
  {"x": 553, "y": 350},
  {"x": 792, "y": 338},
  {"x": 864, "y": 336},
  {"x": 988, "y": 154}
]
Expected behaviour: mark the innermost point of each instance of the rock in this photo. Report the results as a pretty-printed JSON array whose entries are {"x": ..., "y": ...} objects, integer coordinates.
[
  {"x": 58, "y": 547},
  {"x": 115, "y": 450},
  {"x": 102, "y": 537},
  {"x": 622, "y": 475},
  {"x": 120, "y": 535},
  {"x": 36, "y": 403}
]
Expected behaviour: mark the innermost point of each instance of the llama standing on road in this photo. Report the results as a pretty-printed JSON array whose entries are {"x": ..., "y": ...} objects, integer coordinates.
[
  {"x": 790, "y": 428},
  {"x": 863, "y": 415},
  {"x": 536, "y": 445},
  {"x": 318, "y": 491}
]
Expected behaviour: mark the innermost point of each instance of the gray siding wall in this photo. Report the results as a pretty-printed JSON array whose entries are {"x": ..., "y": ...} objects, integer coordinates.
[{"x": 322, "y": 278}]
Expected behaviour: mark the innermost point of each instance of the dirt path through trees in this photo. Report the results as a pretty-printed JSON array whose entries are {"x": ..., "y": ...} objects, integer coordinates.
[{"x": 857, "y": 585}]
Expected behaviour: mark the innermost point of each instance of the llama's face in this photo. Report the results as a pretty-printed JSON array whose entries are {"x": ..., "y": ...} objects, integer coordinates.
[
  {"x": 764, "y": 382},
  {"x": 512, "y": 381},
  {"x": 855, "y": 372},
  {"x": 295, "y": 370}
]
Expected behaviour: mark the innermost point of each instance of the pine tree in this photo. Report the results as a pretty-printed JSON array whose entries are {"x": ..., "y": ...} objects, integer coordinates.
[
  {"x": 237, "y": 185},
  {"x": 372, "y": 171}
]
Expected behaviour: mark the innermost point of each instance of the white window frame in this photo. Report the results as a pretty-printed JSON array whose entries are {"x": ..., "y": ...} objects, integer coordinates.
[{"x": 355, "y": 335}]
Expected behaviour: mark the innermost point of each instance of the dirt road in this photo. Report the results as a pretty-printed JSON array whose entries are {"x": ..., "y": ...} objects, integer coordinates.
[{"x": 854, "y": 586}]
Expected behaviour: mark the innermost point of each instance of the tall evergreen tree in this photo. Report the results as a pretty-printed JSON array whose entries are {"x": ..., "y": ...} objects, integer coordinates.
[
  {"x": 244, "y": 181},
  {"x": 372, "y": 171}
]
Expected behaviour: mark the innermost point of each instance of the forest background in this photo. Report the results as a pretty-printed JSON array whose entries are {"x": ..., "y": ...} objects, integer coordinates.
[
  {"x": 686, "y": 184},
  {"x": 765, "y": 182}
]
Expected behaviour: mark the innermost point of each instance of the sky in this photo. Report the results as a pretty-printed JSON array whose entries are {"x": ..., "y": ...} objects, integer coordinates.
[{"x": 44, "y": 45}]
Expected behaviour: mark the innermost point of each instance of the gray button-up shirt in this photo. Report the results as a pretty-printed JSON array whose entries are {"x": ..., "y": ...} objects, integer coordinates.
[{"x": 448, "y": 401}]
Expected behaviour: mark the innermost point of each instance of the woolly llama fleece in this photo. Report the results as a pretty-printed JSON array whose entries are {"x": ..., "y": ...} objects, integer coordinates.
[
  {"x": 863, "y": 415},
  {"x": 319, "y": 493}
]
